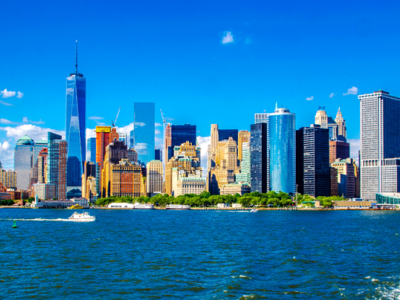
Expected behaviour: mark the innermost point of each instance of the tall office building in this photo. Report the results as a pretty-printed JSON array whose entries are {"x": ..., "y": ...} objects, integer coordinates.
[
  {"x": 91, "y": 149},
  {"x": 312, "y": 161},
  {"x": 341, "y": 123},
  {"x": 131, "y": 140},
  {"x": 57, "y": 164},
  {"x": 158, "y": 154},
  {"x": 338, "y": 149},
  {"x": 346, "y": 177},
  {"x": 380, "y": 144},
  {"x": 225, "y": 134},
  {"x": 102, "y": 141},
  {"x": 337, "y": 127},
  {"x": 259, "y": 171},
  {"x": 37, "y": 148},
  {"x": 42, "y": 165},
  {"x": 243, "y": 137},
  {"x": 282, "y": 150},
  {"x": 23, "y": 153},
  {"x": 321, "y": 118},
  {"x": 123, "y": 138},
  {"x": 245, "y": 174},
  {"x": 179, "y": 134},
  {"x": 154, "y": 177},
  {"x": 167, "y": 143},
  {"x": 75, "y": 128},
  {"x": 144, "y": 131}
]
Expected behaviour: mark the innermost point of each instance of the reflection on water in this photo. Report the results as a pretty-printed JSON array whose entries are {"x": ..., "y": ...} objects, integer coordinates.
[{"x": 134, "y": 254}]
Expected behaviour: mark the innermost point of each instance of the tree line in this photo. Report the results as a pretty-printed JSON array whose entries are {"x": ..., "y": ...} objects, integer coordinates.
[{"x": 205, "y": 199}]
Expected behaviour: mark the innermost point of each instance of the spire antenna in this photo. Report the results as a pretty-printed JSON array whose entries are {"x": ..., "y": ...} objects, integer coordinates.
[{"x": 76, "y": 65}]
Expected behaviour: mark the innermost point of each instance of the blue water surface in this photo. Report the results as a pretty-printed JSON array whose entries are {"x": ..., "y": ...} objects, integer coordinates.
[{"x": 131, "y": 254}]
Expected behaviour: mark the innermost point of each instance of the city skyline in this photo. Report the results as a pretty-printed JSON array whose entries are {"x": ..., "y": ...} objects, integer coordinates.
[{"x": 229, "y": 61}]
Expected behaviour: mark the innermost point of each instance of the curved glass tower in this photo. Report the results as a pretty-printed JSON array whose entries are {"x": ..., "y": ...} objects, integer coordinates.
[
  {"x": 282, "y": 150},
  {"x": 75, "y": 131}
]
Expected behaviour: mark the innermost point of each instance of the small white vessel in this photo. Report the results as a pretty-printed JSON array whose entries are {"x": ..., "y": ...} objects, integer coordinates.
[
  {"x": 83, "y": 217},
  {"x": 254, "y": 210},
  {"x": 177, "y": 207}
]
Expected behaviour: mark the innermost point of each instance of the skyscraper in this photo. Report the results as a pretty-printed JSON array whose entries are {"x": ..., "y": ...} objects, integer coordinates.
[
  {"x": 102, "y": 141},
  {"x": 259, "y": 158},
  {"x": 23, "y": 161},
  {"x": 243, "y": 137},
  {"x": 338, "y": 149},
  {"x": 158, "y": 154},
  {"x": 245, "y": 174},
  {"x": 75, "y": 127},
  {"x": 282, "y": 150},
  {"x": 312, "y": 161},
  {"x": 180, "y": 134},
  {"x": 342, "y": 130},
  {"x": 91, "y": 150},
  {"x": 123, "y": 138},
  {"x": 154, "y": 177},
  {"x": 57, "y": 164},
  {"x": 380, "y": 144},
  {"x": 225, "y": 134},
  {"x": 144, "y": 131}
]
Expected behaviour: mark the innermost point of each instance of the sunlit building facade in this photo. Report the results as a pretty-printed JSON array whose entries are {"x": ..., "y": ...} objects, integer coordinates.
[{"x": 23, "y": 155}]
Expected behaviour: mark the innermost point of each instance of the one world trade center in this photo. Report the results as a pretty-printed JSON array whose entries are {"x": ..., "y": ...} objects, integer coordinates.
[{"x": 75, "y": 130}]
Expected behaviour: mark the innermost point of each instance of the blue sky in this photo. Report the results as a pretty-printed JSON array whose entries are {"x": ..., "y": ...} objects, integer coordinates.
[{"x": 172, "y": 53}]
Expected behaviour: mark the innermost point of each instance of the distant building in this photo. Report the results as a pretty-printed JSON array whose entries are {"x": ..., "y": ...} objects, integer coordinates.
[
  {"x": 91, "y": 150},
  {"x": 380, "y": 144},
  {"x": 334, "y": 186},
  {"x": 244, "y": 137},
  {"x": 38, "y": 147},
  {"x": 282, "y": 151},
  {"x": 186, "y": 183},
  {"x": 219, "y": 135},
  {"x": 132, "y": 155},
  {"x": 144, "y": 131},
  {"x": 23, "y": 154},
  {"x": 154, "y": 177},
  {"x": 180, "y": 134},
  {"x": 259, "y": 166},
  {"x": 225, "y": 134},
  {"x": 123, "y": 138},
  {"x": 102, "y": 141},
  {"x": 158, "y": 155},
  {"x": 125, "y": 179},
  {"x": 312, "y": 161},
  {"x": 89, "y": 179},
  {"x": 337, "y": 127},
  {"x": 8, "y": 179},
  {"x": 45, "y": 191},
  {"x": 345, "y": 177},
  {"x": 57, "y": 164},
  {"x": 245, "y": 170},
  {"x": 338, "y": 149},
  {"x": 235, "y": 188},
  {"x": 42, "y": 165}
]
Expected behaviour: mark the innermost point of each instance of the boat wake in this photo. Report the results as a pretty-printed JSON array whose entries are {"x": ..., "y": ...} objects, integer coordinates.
[{"x": 46, "y": 220}]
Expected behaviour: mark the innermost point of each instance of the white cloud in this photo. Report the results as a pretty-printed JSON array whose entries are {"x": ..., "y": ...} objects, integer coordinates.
[
  {"x": 34, "y": 132},
  {"x": 6, "y": 103},
  {"x": 331, "y": 95},
  {"x": 158, "y": 124},
  {"x": 20, "y": 95},
  {"x": 351, "y": 91},
  {"x": 90, "y": 133},
  {"x": 157, "y": 131},
  {"x": 95, "y": 118},
  {"x": 6, "y": 155},
  {"x": 310, "y": 98},
  {"x": 227, "y": 38},
  {"x": 7, "y": 122},
  {"x": 7, "y": 94},
  {"x": 25, "y": 119},
  {"x": 140, "y": 124},
  {"x": 204, "y": 142}
]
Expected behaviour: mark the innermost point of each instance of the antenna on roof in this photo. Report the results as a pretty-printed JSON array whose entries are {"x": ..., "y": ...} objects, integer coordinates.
[{"x": 76, "y": 65}]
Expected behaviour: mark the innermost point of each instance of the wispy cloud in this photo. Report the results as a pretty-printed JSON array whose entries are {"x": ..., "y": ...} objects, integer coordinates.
[
  {"x": 310, "y": 98},
  {"x": 351, "y": 91},
  {"x": 158, "y": 124},
  {"x": 26, "y": 120},
  {"x": 227, "y": 38},
  {"x": 331, "y": 95},
  {"x": 7, "y": 94},
  {"x": 33, "y": 131},
  {"x": 7, "y": 122},
  {"x": 95, "y": 118},
  {"x": 157, "y": 131},
  {"x": 6, "y": 103},
  {"x": 20, "y": 95}
]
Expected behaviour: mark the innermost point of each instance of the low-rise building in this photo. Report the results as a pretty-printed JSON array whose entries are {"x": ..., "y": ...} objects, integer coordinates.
[
  {"x": 240, "y": 188},
  {"x": 237, "y": 205},
  {"x": 346, "y": 205}
]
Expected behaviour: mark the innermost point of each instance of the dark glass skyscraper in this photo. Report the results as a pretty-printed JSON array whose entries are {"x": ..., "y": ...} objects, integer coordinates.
[
  {"x": 75, "y": 128},
  {"x": 258, "y": 158},
  {"x": 312, "y": 161},
  {"x": 224, "y": 134},
  {"x": 144, "y": 131},
  {"x": 181, "y": 134}
]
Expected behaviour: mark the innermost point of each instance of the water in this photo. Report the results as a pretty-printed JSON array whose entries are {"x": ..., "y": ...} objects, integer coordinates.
[{"x": 201, "y": 255}]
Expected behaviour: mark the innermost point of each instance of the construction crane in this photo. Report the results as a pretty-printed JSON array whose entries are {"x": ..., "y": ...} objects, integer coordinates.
[{"x": 113, "y": 123}]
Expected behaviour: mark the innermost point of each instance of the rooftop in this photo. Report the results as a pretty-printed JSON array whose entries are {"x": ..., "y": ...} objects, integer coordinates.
[{"x": 25, "y": 140}]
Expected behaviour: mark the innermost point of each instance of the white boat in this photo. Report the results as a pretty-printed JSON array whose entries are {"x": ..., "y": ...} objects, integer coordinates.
[
  {"x": 83, "y": 217},
  {"x": 178, "y": 207},
  {"x": 254, "y": 210}
]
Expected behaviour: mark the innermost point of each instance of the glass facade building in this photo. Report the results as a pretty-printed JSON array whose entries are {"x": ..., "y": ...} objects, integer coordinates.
[
  {"x": 181, "y": 134},
  {"x": 144, "y": 131},
  {"x": 75, "y": 128},
  {"x": 312, "y": 161},
  {"x": 245, "y": 175},
  {"x": 23, "y": 159},
  {"x": 224, "y": 134},
  {"x": 57, "y": 164},
  {"x": 91, "y": 150},
  {"x": 282, "y": 151},
  {"x": 258, "y": 158}
]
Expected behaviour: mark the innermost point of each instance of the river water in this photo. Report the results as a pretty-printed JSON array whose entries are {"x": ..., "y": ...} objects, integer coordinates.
[{"x": 127, "y": 254}]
